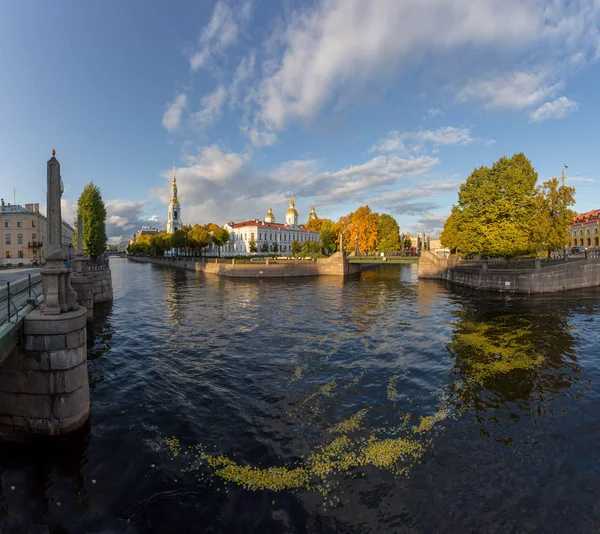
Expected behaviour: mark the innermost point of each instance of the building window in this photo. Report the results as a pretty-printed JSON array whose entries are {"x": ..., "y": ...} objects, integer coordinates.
[
  {"x": 8, "y": 254},
  {"x": 19, "y": 224},
  {"x": 33, "y": 223},
  {"x": 34, "y": 253},
  {"x": 8, "y": 239},
  {"x": 20, "y": 254},
  {"x": 33, "y": 237},
  {"x": 260, "y": 236},
  {"x": 19, "y": 239},
  {"x": 270, "y": 237},
  {"x": 7, "y": 223}
]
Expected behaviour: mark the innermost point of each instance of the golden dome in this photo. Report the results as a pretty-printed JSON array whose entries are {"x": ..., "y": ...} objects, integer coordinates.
[
  {"x": 270, "y": 216},
  {"x": 291, "y": 210},
  {"x": 313, "y": 214}
]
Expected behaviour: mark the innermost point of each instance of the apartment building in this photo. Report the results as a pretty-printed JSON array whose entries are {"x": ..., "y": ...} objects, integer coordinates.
[{"x": 23, "y": 234}]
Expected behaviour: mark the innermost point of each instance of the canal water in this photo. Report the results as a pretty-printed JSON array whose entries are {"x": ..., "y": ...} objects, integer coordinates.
[{"x": 380, "y": 404}]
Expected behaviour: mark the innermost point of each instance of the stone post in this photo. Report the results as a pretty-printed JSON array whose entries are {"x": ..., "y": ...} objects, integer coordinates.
[
  {"x": 53, "y": 395},
  {"x": 80, "y": 262},
  {"x": 59, "y": 296}
]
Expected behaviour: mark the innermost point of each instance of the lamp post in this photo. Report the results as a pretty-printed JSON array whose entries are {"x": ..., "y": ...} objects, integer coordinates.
[{"x": 356, "y": 241}]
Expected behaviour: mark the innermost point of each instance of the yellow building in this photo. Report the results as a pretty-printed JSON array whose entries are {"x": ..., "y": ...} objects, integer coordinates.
[
  {"x": 585, "y": 230},
  {"x": 23, "y": 233}
]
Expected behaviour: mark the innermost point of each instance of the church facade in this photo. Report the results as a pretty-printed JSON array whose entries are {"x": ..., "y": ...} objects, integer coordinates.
[{"x": 270, "y": 237}]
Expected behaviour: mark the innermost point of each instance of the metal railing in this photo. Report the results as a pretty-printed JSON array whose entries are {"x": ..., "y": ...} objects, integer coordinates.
[
  {"x": 97, "y": 265},
  {"x": 16, "y": 295}
]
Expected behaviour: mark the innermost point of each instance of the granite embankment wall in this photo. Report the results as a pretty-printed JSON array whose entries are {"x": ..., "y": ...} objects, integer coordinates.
[
  {"x": 103, "y": 290},
  {"x": 44, "y": 385},
  {"x": 336, "y": 265},
  {"x": 552, "y": 279}
]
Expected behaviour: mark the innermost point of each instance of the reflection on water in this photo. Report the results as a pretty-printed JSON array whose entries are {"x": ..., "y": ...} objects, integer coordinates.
[{"x": 379, "y": 404}]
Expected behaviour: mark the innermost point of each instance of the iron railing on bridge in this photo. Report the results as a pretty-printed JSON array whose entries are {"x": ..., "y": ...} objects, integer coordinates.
[{"x": 16, "y": 295}]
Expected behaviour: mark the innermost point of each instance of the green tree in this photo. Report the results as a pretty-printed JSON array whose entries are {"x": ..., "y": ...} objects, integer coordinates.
[
  {"x": 199, "y": 237},
  {"x": 179, "y": 239},
  {"x": 93, "y": 212},
  {"x": 252, "y": 246},
  {"x": 495, "y": 210},
  {"x": 264, "y": 247},
  {"x": 388, "y": 234},
  {"x": 296, "y": 247},
  {"x": 553, "y": 217},
  {"x": 328, "y": 236},
  {"x": 407, "y": 242},
  {"x": 220, "y": 237},
  {"x": 275, "y": 247}
]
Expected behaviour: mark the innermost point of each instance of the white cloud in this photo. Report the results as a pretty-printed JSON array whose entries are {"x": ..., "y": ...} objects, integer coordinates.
[
  {"x": 515, "y": 90},
  {"x": 392, "y": 142},
  {"x": 212, "y": 164},
  {"x": 557, "y": 109},
  {"x": 172, "y": 116},
  {"x": 582, "y": 180},
  {"x": 124, "y": 216},
  {"x": 212, "y": 105},
  {"x": 448, "y": 135},
  {"x": 348, "y": 42},
  {"x": 445, "y": 136},
  {"x": 221, "y": 32},
  {"x": 433, "y": 112}
]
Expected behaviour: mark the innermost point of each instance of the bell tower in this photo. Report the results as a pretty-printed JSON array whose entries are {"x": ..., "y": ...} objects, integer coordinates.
[{"x": 174, "y": 216}]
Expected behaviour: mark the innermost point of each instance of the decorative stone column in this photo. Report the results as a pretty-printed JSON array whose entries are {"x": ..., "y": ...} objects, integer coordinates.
[
  {"x": 81, "y": 280},
  {"x": 53, "y": 396},
  {"x": 59, "y": 296}
]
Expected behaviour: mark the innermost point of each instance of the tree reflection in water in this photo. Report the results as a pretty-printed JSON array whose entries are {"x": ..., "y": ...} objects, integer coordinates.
[{"x": 512, "y": 365}]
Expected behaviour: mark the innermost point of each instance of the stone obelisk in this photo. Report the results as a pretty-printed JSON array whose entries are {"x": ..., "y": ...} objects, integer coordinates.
[{"x": 59, "y": 296}]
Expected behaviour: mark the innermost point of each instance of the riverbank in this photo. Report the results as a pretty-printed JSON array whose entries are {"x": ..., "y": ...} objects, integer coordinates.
[
  {"x": 536, "y": 280},
  {"x": 335, "y": 265}
]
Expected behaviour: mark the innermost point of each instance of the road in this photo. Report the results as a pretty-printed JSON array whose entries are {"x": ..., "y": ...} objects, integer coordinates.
[{"x": 12, "y": 275}]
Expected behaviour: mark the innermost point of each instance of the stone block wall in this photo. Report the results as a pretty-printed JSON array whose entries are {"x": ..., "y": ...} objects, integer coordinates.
[
  {"x": 44, "y": 386},
  {"x": 103, "y": 291},
  {"x": 562, "y": 277},
  {"x": 83, "y": 285},
  {"x": 336, "y": 265}
]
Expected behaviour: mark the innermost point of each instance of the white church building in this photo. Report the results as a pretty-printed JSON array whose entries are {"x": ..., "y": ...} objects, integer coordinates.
[{"x": 270, "y": 236}]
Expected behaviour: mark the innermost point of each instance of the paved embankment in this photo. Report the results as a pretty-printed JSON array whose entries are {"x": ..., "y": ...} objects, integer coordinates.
[
  {"x": 336, "y": 265},
  {"x": 537, "y": 280}
]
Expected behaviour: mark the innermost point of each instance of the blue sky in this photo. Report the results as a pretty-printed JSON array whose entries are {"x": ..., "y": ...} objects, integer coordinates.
[{"x": 340, "y": 103}]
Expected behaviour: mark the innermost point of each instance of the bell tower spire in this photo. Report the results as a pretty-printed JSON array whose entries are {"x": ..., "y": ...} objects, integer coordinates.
[{"x": 174, "y": 215}]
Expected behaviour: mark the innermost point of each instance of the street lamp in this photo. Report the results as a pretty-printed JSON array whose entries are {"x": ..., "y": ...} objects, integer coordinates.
[{"x": 356, "y": 241}]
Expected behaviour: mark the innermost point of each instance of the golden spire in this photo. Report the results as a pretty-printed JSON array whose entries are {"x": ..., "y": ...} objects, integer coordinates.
[
  {"x": 53, "y": 152},
  {"x": 174, "y": 179}
]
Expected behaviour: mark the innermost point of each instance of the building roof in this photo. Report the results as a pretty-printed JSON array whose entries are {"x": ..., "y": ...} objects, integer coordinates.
[
  {"x": 8, "y": 209},
  {"x": 274, "y": 226},
  {"x": 589, "y": 216}
]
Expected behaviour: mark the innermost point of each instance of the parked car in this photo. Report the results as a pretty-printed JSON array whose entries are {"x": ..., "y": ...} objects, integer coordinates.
[{"x": 578, "y": 250}]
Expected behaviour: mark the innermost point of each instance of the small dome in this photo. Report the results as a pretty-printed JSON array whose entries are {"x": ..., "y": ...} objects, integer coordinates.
[
  {"x": 270, "y": 217},
  {"x": 313, "y": 214}
]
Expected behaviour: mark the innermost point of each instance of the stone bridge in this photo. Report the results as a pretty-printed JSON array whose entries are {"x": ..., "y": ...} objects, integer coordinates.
[{"x": 44, "y": 386}]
